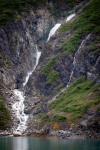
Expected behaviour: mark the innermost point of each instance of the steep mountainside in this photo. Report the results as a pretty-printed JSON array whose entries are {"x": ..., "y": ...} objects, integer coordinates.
[
  {"x": 71, "y": 57},
  {"x": 63, "y": 93}
]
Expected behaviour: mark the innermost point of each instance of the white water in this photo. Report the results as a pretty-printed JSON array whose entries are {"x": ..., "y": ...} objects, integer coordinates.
[
  {"x": 53, "y": 31},
  {"x": 27, "y": 78},
  {"x": 76, "y": 54},
  {"x": 70, "y": 17},
  {"x": 74, "y": 65},
  {"x": 56, "y": 27},
  {"x": 19, "y": 106},
  {"x": 38, "y": 54}
]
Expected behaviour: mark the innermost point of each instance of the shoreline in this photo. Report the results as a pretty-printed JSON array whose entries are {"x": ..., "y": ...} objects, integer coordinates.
[{"x": 52, "y": 137}]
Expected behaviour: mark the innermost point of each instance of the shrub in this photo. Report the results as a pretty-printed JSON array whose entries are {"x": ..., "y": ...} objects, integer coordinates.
[
  {"x": 58, "y": 118},
  {"x": 53, "y": 76},
  {"x": 4, "y": 115}
]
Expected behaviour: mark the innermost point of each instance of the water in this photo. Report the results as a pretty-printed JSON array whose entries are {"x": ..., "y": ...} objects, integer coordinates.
[
  {"x": 34, "y": 143},
  {"x": 38, "y": 54},
  {"x": 53, "y": 31},
  {"x": 18, "y": 107},
  {"x": 27, "y": 78},
  {"x": 70, "y": 17},
  {"x": 57, "y": 26},
  {"x": 75, "y": 57},
  {"x": 74, "y": 65}
]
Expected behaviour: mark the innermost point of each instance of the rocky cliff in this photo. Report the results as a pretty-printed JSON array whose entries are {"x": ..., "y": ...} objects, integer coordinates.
[{"x": 63, "y": 92}]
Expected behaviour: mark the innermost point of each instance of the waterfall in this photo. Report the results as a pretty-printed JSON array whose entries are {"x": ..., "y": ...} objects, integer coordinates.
[
  {"x": 53, "y": 31},
  {"x": 70, "y": 17},
  {"x": 56, "y": 27},
  {"x": 75, "y": 58},
  {"x": 19, "y": 106},
  {"x": 72, "y": 71},
  {"x": 38, "y": 54}
]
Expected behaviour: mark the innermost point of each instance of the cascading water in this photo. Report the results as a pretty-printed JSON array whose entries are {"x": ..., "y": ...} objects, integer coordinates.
[
  {"x": 74, "y": 61},
  {"x": 53, "y": 31},
  {"x": 74, "y": 65},
  {"x": 19, "y": 106},
  {"x": 70, "y": 17},
  {"x": 55, "y": 28},
  {"x": 38, "y": 54}
]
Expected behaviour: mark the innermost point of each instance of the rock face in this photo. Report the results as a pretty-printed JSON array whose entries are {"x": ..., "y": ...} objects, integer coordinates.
[
  {"x": 18, "y": 49},
  {"x": 56, "y": 71},
  {"x": 57, "y": 68},
  {"x": 18, "y": 43},
  {"x": 86, "y": 64}
]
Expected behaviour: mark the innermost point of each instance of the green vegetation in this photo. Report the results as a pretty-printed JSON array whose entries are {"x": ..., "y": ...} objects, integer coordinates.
[
  {"x": 53, "y": 76},
  {"x": 44, "y": 117},
  {"x": 72, "y": 43},
  {"x": 94, "y": 47},
  {"x": 58, "y": 118},
  {"x": 49, "y": 66},
  {"x": 80, "y": 96},
  {"x": 58, "y": 88},
  {"x": 48, "y": 71},
  {"x": 4, "y": 115},
  {"x": 60, "y": 5},
  {"x": 9, "y": 9},
  {"x": 86, "y": 23}
]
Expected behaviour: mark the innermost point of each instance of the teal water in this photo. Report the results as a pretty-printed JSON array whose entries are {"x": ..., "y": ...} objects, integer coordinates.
[{"x": 34, "y": 143}]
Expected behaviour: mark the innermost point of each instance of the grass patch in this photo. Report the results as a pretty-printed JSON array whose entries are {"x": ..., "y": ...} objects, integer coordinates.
[
  {"x": 44, "y": 117},
  {"x": 52, "y": 76},
  {"x": 45, "y": 70},
  {"x": 58, "y": 118},
  {"x": 94, "y": 46},
  {"x": 72, "y": 43},
  {"x": 48, "y": 71},
  {"x": 77, "y": 98},
  {"x": 58, "y": 88},
  {"x": 88, "y": 19}
]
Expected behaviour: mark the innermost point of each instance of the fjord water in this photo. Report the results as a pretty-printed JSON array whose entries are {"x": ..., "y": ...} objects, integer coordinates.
[{"x": 34, "y": 143}]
